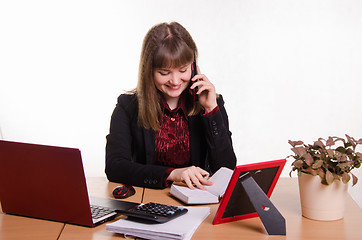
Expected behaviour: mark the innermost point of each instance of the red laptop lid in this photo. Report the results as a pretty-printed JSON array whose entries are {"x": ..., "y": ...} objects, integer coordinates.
[
  {"x": 235, "y": 204},
  {"x": 43, "y": 182}
]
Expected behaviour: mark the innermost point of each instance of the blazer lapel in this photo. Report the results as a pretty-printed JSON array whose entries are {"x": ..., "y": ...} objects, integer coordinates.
[
  {"x": 149, "y": 141},
  {"x": 195, "y": 127}
]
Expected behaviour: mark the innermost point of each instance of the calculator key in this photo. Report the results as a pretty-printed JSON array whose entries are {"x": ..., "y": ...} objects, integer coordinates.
[{"x": 156, "y": 212}]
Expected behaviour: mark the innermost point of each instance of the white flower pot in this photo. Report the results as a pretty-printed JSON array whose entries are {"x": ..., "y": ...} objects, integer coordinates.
[{"x": 319, "y": 201}]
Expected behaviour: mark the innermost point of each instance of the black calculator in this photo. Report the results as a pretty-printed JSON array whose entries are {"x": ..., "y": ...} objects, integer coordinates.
[{"x": 154, "y": 212}]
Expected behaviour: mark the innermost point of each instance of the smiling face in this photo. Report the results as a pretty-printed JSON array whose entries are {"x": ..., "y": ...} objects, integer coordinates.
[
  {"x": 165, "y": 48},
  {"x": 166, "y": 63},
  {"x": 171, "y": 82}
]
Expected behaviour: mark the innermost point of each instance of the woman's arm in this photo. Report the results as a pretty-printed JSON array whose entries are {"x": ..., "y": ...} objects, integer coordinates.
[
  {"x": 125, "y": 150},
  {"x": 216, "y": 126},
  {"x": 218, "y": 139}
]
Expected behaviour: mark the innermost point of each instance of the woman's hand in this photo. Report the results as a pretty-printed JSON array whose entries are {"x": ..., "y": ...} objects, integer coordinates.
[
  {"x": 191, "y": 176},
  {"x": 206, "y": 91}
]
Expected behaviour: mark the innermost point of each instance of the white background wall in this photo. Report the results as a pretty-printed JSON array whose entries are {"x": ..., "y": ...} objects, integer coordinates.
[{"x": 287, "y": 69}]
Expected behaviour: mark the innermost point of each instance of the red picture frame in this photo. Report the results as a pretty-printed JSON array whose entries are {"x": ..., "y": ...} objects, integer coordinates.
[{"x": 235, "y": 204}]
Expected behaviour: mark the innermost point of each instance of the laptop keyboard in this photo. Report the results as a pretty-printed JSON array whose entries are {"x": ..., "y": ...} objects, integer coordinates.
[{"x": 99, "y": 212}]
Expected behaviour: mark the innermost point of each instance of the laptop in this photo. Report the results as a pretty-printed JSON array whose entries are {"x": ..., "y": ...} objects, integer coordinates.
[{"x": 48, "y": 182}]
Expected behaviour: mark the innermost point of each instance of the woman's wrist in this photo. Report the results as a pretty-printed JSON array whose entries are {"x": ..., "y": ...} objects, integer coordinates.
[
  {"x": 166, "y": 181},
  {"x": 210, "y": 109},
  {"x": 208, "y": 114}
]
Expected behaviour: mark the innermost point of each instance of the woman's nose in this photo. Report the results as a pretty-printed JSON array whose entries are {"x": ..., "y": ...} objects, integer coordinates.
[{"x": 175, "y": 79}]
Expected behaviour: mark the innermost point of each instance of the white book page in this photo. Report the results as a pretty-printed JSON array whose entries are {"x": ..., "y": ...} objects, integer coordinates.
[
  {"x": 196, "y": 195},
  {"x": 221, "y": 180},
  {"x": 212, "y": 194}
]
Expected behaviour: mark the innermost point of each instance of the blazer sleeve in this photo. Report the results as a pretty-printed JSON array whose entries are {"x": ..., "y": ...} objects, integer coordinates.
[
  {"x": 218, "y": 139},
  {"x": 125, "y": 149}
]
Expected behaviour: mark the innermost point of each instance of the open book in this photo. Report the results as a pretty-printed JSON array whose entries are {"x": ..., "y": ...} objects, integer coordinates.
[{"x": 212, "y": 194}]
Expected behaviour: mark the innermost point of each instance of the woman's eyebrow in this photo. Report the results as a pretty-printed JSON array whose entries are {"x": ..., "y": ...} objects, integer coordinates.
[{"x": 168, "y": 69}]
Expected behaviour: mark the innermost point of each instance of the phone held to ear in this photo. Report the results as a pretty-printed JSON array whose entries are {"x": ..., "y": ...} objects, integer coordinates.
[{"x": 193, "y": 92}]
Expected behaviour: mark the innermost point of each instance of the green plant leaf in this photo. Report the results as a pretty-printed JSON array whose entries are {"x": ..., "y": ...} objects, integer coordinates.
[
  {"x": 347, "y": 145},
  {"x": 344, "y": 166},
  {"x": 298, "y": 164},
  {"x": 341, "y": 158},
  {"x": 321, "y": 173},
  {"x": 330, "y": 153},
  {"x": 339, "y": 139},
  {"x": 295, "y": 143},
  {"x": 319, "y": 143},
  {"x": 308, "y": 159},
  {"x": 335, "y": 176},
  {"x": 299, "y": 151},
  {"x": 311, "y": 171},
  {"x": 344, "y": 158},
  {"x": 317, "y": 164},
  {"x": 354, "y": 179},
  {"x": 341, "y": 150},
  {"x": 357, "y": 164},
  {"x": 330, "y": 142},
  {"x": 349, "y": 151},
  {"x": 329, "y": 177},
  {"x": 351, "y": 141},
  {"x": 323, "y": 181},
  {"x": 345, "y": 178}
]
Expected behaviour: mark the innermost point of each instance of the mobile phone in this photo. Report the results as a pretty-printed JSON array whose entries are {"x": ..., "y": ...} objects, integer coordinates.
[{"x": 193, "y": 92}]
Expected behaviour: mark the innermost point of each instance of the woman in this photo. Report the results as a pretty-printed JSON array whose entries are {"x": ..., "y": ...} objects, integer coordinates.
[{"x": 158, "y": 133}]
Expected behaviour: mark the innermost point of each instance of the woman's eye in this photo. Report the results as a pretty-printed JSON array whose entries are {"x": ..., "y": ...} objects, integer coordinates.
[
  {"x": 163, "y": 73},
  {"x": 183, "y": 70}
]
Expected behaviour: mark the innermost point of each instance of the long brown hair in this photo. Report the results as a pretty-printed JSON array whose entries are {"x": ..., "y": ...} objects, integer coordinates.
[{"x": 166, "y": 45}]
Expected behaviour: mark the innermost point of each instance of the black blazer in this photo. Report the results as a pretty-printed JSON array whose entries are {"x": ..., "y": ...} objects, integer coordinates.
[{"x": 130, "y": 148}]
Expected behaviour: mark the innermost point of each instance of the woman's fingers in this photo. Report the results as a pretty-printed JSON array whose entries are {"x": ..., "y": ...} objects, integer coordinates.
[{"x": 191, "y": 176}]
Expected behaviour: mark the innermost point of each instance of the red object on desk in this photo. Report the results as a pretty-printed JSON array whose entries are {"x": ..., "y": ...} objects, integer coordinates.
[{"x": 235, "y": 205}]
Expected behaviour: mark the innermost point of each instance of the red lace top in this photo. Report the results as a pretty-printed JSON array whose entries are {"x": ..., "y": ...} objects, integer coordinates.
[{"x": 172, "y": 147}]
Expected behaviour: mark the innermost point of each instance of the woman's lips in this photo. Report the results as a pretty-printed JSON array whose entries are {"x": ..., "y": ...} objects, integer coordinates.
[{"x": 175, "y": 87}]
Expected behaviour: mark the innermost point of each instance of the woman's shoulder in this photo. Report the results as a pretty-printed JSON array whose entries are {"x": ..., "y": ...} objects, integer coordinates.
[
  {"x": 128, "y": 101},
  {"x": 127, "y": 98},
  {"x": 220, "y": 100}
]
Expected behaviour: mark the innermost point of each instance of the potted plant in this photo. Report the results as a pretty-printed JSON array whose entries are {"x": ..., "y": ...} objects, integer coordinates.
[{"x": 324, "y": 169}]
